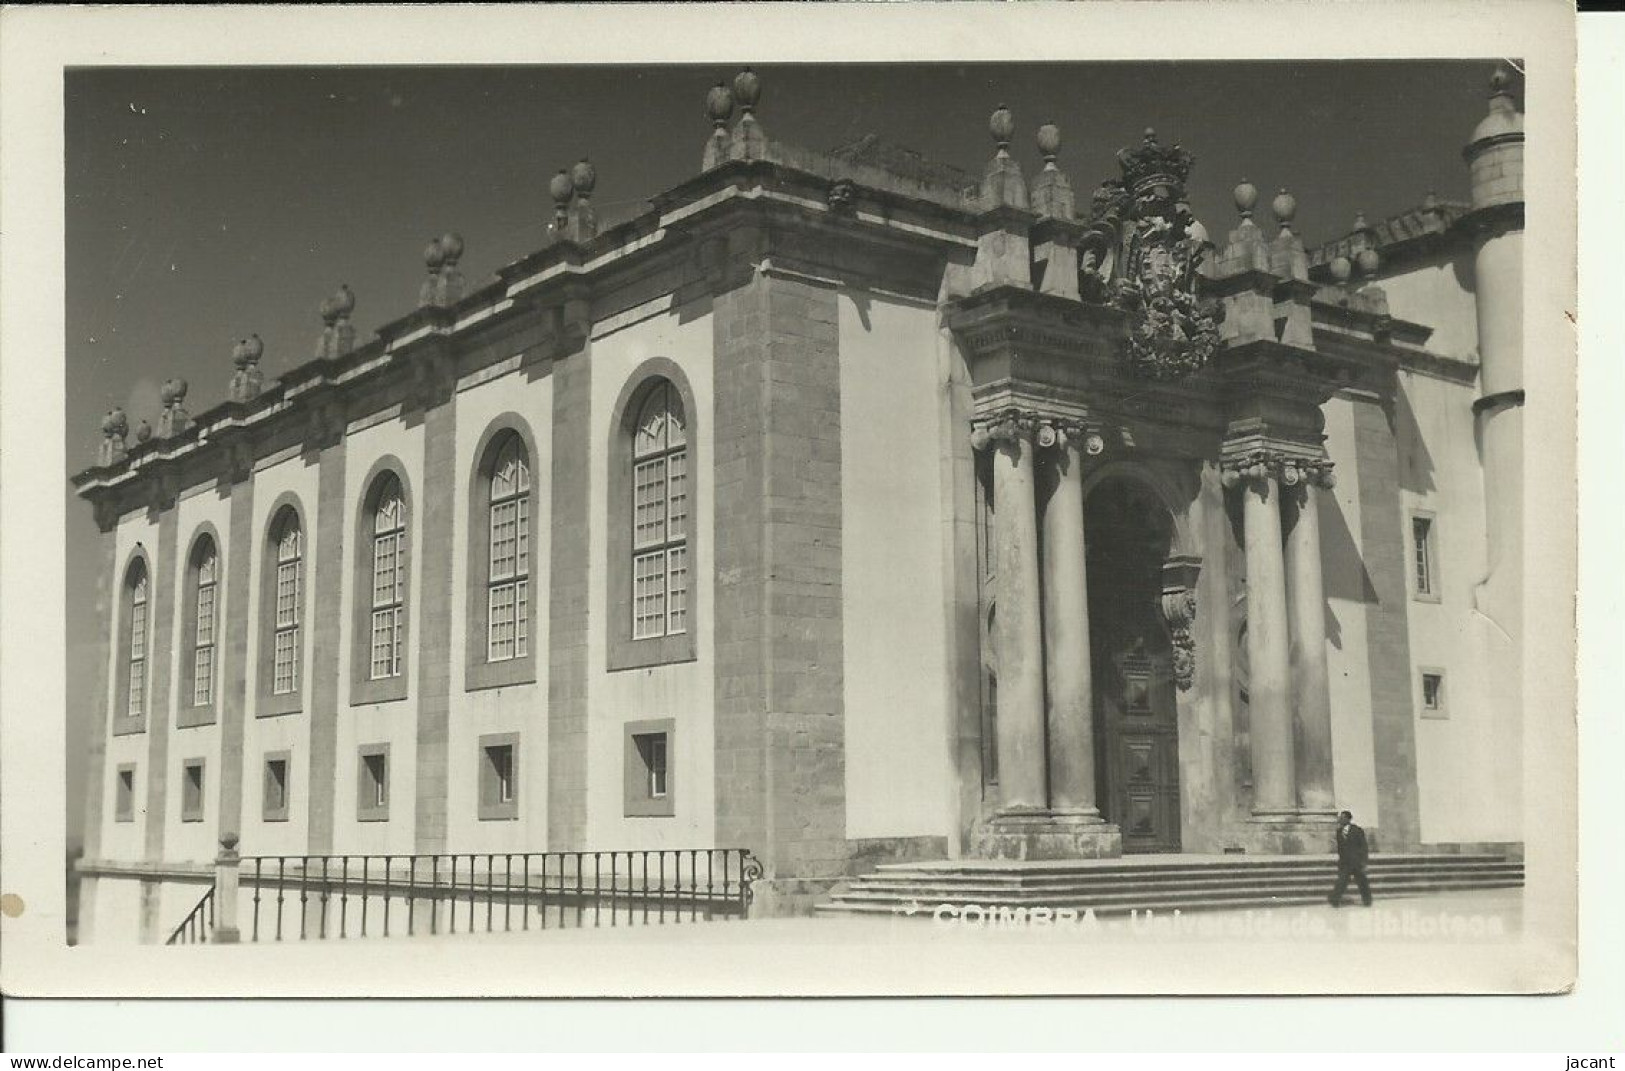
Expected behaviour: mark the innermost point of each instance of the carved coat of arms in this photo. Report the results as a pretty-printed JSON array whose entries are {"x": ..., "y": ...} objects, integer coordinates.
[{"x": 1140, "y": 254}]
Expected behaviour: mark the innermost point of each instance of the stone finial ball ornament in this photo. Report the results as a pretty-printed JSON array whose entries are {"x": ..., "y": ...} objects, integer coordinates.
[
  {"x": 1369, "y": 261},
  {"x": 451, "y": 245},
  {"x": 173, "y": 392},
  {"x": 253, "y": 348},
  {"x": 561, "y": 187},
  {"x": 1246, "y": 197},
  {"x": 143, "y": 432},
  {"x": 329, "y": 310},
  {"x": 1342, "y": 268},
  {"x": 1285, "y": 206},
  {"x": 1049, "y": 140},
  {"x": 747, "y": 89},
  {"x": 719, "y": 103},
  {"x": 433, "y": 255},
  {"x": 584, "y": 177},
  {"x": 114, "y": 423},
  {"x": 344, "y": 300},
  {"x": 239, "y": 352},
  {"x": 1001, "y": 124}
]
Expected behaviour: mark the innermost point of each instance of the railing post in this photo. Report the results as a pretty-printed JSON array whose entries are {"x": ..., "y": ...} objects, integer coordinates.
[{"x": 225, "y": 891}]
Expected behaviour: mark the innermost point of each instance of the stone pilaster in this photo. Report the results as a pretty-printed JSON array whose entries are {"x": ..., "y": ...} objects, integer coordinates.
[
  {"x": 567, "y": 605},
  {"x": 324, "y": 659},
  {"x": 780, "y": 717},
  {"x": 434, "y": 616},
  {"x": 160, "y": 711},
  {"x": 234, "y": 682}
]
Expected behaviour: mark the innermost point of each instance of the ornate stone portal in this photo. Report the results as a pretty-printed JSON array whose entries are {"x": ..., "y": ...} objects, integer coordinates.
[{"x": 1172, "y": 359}]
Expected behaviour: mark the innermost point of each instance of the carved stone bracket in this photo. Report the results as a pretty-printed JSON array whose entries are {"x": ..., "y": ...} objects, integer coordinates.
[
  {"x": 1178, "y": 607},
  {"x": 327, "y": 421},
  {"x": 238, "y": 460},
  {"x": 434, "y": 377}
]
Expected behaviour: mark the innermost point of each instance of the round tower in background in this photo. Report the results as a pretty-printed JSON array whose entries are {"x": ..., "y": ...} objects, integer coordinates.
[{"x": 1495, "y": 159}]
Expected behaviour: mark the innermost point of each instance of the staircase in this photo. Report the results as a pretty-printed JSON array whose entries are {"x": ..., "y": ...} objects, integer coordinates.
[{"x": 1157, "y": 883}]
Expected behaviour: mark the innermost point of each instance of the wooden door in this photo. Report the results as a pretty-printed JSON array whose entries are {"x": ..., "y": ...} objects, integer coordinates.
[{"x": 1142, "y": 747}]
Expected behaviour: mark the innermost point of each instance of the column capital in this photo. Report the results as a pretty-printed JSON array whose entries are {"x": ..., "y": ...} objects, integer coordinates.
[
  {"x": 1043, "y": 431},
  {"x": 1006, "y": 425},
  {"x": 1295, "y": 473}
]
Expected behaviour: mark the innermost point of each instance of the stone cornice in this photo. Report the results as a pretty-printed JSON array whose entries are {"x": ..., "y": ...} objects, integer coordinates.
[{"x": 560, "y": 280}]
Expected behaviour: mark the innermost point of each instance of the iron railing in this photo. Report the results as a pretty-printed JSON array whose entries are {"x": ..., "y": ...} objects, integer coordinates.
[
  {"x": 198, "y": 926},
  {"x": 317, "y": 897}
]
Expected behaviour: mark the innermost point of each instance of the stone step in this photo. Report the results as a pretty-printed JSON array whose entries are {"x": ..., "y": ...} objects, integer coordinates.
[
  {"x": 1091, "y": 879},
  {"x": 888, "y": 907},
  {"x": 936, "y": 893},
  {"x": 1151, "y": 865},
  {"x": 1071, "y": 898}
]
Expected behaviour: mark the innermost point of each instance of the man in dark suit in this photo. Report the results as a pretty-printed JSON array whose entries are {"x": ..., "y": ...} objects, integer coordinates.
[{"x": 1352, "y": 856}]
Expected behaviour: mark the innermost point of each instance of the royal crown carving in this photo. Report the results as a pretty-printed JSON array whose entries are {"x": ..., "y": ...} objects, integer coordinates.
[{"x": 1140, "y": 253}]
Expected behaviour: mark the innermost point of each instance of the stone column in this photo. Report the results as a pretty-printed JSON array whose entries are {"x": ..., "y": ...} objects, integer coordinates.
[
  {"x": 1306, "y": 595},
  {"x": 1066, "y": 635},
  {"x": 1017, "y": 623},
  {"x": 1269, "y": 660}
]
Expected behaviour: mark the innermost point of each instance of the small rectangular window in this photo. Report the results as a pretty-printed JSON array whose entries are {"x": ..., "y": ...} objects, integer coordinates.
[
  {"x": 649, "y": 780},
  {"x": 652, "y": 749},
  {"x": 192, "y": 790},
  {"x": 124, "y": 794},
  {"x": 276, "y": 787},
  {"x": 372, "y": 784},
  {"x": 1424, "y": 567},
  {"x": 1433, "y": 693},
  {"x": 499, "y": 777}
]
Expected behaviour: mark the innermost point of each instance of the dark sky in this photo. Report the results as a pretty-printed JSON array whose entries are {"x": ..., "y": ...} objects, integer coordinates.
[{"x": 204, "y": 204}]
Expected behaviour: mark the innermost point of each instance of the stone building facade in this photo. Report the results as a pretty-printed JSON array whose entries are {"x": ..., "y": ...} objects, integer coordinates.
[{"x": 848, "y": 509}]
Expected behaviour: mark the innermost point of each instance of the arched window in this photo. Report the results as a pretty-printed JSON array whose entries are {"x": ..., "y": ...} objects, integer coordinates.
[
  {"x": 289, "y": 587},
  {"x": 136, "y": 673},
  {"x": 660, "y": 512},
  {"x": 205, "y": 568},
  {"x": 508, "y": 578},
  {"x": 388, "y": 577}
]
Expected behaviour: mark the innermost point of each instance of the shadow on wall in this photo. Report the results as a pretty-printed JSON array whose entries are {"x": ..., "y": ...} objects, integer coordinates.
[
  {"x": 1344, "y": 571},
  {"x": 1415, "y": 462}
]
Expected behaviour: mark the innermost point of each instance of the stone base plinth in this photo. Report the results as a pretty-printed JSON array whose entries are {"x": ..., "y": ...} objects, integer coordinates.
[
  {"x": 1291, "y": 833},
  {"x": 1047, "y": 836}
]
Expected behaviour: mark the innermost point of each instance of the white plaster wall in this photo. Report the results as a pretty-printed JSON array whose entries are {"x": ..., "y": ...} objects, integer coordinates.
[
  {"x": 1458, "y": 756},
  {"x": 285, "y": 732},
  {"x": 521, "y": 709},
  {"x": 893, "y": 633},
  {"x": 125, "y": 841},
  {"x": 117, "y": 913},
  {"x": 1354, "y": 763},
  {"x": 375, "y": 723},
  {"x": 1440, "y": 295},
  {"x": 196, "y": 841},
  {"x": 176, "y": 899},
  {"x": 684, "y": 691}
]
